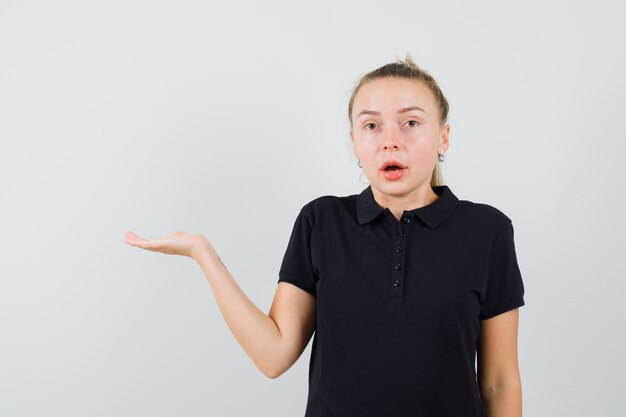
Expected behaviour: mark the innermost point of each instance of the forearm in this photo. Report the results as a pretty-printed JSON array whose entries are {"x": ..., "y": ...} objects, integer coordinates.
[
  {"x": 255, "y": 331},
  {"x": 502, "y": 401}
]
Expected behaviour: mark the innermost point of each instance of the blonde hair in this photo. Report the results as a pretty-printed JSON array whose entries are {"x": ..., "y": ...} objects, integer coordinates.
[{"x": 409, "y": 70}]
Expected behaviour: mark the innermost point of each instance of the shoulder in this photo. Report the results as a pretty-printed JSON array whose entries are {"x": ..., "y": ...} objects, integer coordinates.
[
  {"x": 483, "y": 211},
  {"x": 489, "y": 218},
  {"x": 327, "y": 205}
]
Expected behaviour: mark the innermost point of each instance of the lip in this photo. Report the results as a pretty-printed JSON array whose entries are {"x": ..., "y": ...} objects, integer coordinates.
[
  {"x": 393, "y": 175},
  {"x": 392, "y": 162}
]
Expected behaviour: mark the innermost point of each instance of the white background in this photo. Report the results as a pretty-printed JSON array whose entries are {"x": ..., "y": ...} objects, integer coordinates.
[{"x": 225, "y": 120}]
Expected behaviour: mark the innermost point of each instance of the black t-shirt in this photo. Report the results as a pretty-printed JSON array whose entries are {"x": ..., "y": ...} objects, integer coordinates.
[{"x": 399, "y": 303}]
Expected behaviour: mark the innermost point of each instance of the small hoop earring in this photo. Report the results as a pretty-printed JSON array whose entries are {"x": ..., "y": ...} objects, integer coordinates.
[
  {"x": 359, "y": 164},
  {"x": 442, "y": 157}
]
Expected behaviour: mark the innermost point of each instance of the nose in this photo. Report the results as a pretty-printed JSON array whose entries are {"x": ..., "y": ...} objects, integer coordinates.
[{"x": 390, "y": 141}]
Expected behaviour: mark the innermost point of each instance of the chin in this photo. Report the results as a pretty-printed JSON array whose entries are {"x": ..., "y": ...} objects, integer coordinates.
[{"x": 395, "y": 187}]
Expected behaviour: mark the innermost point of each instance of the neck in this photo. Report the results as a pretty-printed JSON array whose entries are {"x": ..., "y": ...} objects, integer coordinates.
[{"x": 398, "y": 203}]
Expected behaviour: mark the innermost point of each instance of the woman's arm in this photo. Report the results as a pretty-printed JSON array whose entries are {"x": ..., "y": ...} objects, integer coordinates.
[
  {"x": 498, "y": 370},
  {"x": 275, "y": 341}
]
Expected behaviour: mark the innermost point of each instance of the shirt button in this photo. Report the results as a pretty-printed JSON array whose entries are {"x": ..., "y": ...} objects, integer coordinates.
[
  {"x": 398, "y": 248},
  {"x": 397, "y": 266},
  {"x": 404, "y": 234},
  {"x": 396, "y": 283},
  {"x": 406, "y": 219}
]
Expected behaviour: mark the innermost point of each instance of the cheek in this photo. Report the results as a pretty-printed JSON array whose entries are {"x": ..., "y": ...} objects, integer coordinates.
[
  {"x": 422, "y": 150},
  {"x": 368, "y": 145},
  {"x": 367, "y": 151}
]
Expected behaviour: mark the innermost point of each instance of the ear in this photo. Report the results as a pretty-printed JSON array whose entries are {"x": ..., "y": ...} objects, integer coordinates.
[
  {"x": 444, "y": 141},
  {"x": 351, "y": 135}
]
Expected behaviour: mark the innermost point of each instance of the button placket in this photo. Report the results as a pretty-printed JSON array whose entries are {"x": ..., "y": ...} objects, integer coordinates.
[{"x": 398, "y": 259}]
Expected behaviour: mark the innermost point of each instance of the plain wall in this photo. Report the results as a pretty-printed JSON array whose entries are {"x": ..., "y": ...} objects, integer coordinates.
[{"x": 225, "y": 120}]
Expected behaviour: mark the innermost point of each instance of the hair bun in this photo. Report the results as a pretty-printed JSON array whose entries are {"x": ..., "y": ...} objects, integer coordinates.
[{"x": 408, "y": 61}]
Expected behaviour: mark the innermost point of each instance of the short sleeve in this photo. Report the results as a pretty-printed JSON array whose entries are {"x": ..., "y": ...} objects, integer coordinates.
[
  {"x": 297, "y": 266},
  {"x": 505, "y": 287}
]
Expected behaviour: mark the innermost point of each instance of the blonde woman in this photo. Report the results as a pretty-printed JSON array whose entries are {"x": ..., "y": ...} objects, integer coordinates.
[{"x": 403, "y": 286}]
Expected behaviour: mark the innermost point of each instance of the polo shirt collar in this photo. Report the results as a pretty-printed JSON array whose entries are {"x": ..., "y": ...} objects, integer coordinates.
[{"x": 367, "y": 209}]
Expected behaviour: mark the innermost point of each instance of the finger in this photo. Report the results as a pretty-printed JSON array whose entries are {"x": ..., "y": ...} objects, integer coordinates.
[
  {"x": 157, "y": 245},
  {"x": 130, "y": 234},
  {"x": 134, "y": 237},
  {"x": 136, "y": 240},
  {"x": 144, "y": 244}
]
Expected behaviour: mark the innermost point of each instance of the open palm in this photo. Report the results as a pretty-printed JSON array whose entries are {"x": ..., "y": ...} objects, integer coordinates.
[{"x": 179, "y": 243}]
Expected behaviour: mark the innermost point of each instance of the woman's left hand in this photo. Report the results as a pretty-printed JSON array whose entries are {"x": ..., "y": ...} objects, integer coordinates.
[{"x": 179, "y": 243}]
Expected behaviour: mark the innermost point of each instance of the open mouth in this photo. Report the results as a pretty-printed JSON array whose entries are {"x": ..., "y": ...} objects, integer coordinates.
[
  {"x": 392, "y": 165},
  {"x": 393, "y": 172}
]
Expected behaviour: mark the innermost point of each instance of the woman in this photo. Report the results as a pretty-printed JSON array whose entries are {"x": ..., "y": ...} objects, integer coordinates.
[{"x": 403, "y": 285}]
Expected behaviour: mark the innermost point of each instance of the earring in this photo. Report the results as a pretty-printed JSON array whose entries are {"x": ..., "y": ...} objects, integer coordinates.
[
  {"x": 359, "y": 164},
  {"x": 442, "y": 157}
]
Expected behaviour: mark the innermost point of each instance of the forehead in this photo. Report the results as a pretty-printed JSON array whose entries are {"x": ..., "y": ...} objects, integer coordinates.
[{"x": 389, "y": 94}]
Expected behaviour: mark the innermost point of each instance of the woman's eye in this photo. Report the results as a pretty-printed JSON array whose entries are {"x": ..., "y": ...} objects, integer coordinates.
[
  {"x": 413, "y": 121},
  {"x": 369, "y": 124}
]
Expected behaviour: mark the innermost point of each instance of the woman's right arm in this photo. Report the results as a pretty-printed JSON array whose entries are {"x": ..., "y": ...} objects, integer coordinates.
[{"x": 273, "y": 341}]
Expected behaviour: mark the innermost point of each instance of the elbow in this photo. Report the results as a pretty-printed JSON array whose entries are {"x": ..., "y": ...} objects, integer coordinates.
[
  {"x": 272, "y": 373},
  {"x": 274, "y": 365},
  {"x": 496, "y": 388}
]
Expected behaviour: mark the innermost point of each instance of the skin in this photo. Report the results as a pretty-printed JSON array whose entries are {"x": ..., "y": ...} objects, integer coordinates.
[
  {"x": 414, "y": 138},
  {"x": 274, "y": 341},
  {"x": 498, "y": 374}
]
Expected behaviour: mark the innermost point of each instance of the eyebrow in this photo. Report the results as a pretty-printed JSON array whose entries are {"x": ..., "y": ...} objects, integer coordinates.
[{"x": 402, "y": 110}]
